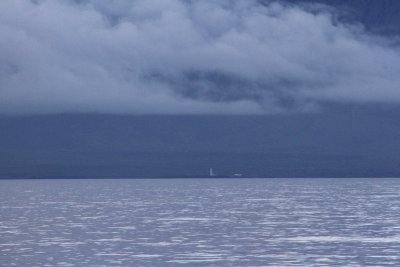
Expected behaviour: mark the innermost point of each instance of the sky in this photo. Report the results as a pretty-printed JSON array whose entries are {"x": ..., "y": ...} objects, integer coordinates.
[{"x": 189, "y": 57}]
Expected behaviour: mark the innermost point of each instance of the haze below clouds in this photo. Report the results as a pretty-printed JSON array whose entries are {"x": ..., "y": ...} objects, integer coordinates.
[{"x": 187, "y": 57}]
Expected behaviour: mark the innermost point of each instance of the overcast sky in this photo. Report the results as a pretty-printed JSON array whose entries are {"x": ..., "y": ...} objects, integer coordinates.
[{"x": 187, "y": 57}]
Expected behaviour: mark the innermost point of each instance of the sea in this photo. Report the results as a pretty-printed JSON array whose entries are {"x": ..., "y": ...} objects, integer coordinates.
[{"x": 200, "y": 222}]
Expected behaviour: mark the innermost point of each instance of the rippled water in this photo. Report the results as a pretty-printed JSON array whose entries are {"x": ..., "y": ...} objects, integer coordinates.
[{"x": 200, "y": 222}]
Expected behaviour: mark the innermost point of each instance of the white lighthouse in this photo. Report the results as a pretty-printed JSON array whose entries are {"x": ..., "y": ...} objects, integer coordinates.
[{"x": 211, "y": 172}]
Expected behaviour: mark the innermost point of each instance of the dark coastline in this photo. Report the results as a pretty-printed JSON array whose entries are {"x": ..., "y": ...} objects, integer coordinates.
[{"x": 188, "y": 177}]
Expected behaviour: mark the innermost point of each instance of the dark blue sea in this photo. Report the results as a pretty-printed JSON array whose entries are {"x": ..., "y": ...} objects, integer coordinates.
[{"x": 200, "y": 222}]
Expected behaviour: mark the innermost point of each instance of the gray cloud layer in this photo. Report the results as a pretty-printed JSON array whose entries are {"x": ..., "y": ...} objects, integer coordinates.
[{"x": 172, "y": 56}]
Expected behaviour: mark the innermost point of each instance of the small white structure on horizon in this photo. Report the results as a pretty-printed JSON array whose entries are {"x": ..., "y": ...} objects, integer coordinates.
[{"x": 211, "y": 172}]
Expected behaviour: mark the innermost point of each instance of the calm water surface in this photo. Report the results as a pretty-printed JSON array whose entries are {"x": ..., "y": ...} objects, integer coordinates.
[{"x": 200, "y": 222}]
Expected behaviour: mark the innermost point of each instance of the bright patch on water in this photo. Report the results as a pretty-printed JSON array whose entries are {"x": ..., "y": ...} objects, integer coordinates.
[{"x": 202, "y": 222}]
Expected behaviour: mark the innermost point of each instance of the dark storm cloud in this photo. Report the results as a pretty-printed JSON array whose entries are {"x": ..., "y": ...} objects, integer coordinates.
[{"x": 171, "y": 56}]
